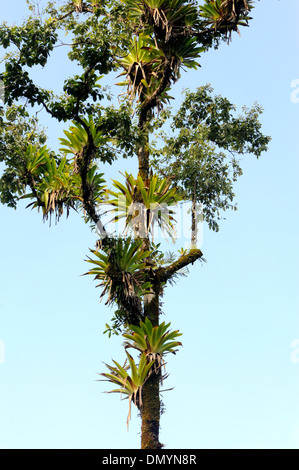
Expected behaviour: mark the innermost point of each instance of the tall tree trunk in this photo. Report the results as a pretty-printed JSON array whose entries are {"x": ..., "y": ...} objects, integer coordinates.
[
  {"x": 143, "y": 159},
  {"x": 150, "y": 410},
  {"x": 150, "y": 414},
  {"x": 193, "y": 219}
]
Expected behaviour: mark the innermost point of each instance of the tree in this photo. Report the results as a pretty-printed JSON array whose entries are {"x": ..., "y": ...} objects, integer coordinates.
[{"x": 149, "y": 42}]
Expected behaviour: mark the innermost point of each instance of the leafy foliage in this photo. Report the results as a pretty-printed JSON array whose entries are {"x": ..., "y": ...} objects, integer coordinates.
[
  {"x": 226, "y": 15},
  {"x": 143, "y": 203},
  {"x": 17, "y": 132},
  {"x": 55, "y": 183},
  {"x": 239, "y": 134},
  {"x": 154, "y": 342},
  {"x": 122, "y": 272},
  {"x": 129, "y": 384},
  {"x": 57, "y": 186},
  {"x": 202, "y": 156}
]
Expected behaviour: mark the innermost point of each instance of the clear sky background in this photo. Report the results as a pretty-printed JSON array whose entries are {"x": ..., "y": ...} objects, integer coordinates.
[{"x": 236, "y": 378}]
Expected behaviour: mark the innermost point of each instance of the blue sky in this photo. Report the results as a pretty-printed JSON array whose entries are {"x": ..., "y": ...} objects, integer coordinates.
[{"x": 236, "y": 378}]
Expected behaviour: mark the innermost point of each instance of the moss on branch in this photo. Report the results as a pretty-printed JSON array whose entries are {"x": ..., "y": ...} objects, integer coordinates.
[{"x": 189, "y": 258}]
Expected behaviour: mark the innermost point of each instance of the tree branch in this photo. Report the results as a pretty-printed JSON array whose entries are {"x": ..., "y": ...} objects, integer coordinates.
[
  {"x": 151, "y": 102},
  {"x": 166, "y": 273}
]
